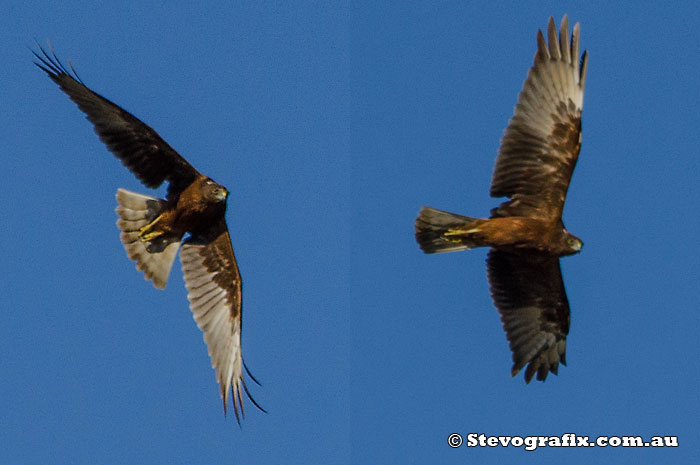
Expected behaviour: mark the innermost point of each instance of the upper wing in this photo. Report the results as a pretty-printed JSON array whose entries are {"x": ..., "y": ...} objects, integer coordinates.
[
  {"x": 138, "y": 146},
  {"x": 214, "y": 291},
  {"x": 528, "y": 291},
  {"x": 541, "y": 143}
]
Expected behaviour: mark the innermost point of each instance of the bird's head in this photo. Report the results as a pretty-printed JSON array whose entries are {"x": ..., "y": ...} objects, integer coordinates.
[
  {"x": 215, "y": 192},
  {"x": 572, "y": 244}
]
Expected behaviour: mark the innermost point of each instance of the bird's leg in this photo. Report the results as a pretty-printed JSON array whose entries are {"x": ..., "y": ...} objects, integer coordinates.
[
  {"x": 149, "y": 232},
  {"x": 459, "y": 235}
]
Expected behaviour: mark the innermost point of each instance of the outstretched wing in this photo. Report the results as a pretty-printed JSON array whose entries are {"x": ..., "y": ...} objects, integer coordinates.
[
  {"x": 528, "y": 291},
  {"x": 542, "y": 141},
  {"x": 214, "y": 291},
  {"x": 138, "y": 146}
]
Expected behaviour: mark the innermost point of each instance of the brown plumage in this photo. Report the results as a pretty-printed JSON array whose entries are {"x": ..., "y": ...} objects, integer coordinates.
[
  {"x": 153, "y": 229},
  {"x": 535, "y": 162}
]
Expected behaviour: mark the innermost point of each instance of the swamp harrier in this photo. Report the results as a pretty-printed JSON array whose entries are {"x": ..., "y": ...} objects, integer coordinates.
[
  {"x": 535, "y": 161},
  {"x": 152, "y": 229}
]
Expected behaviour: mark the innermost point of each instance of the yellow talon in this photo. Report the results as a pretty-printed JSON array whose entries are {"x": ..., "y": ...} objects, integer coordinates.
[{"x": 149, "y": 236}]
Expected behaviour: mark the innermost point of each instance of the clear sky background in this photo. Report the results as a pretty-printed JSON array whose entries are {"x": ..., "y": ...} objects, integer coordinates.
[{"x": 331, "y": 124}]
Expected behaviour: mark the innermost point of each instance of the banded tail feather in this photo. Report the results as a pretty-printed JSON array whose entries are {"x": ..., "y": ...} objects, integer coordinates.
[{"x": 154, "y": 258}]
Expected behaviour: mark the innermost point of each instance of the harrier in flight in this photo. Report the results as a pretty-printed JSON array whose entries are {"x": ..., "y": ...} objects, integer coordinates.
[
  {"x": 152, "y": 229},
  {"x": 526, "y": 234}
]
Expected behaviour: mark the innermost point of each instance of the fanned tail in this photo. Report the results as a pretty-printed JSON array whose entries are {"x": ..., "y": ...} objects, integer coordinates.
[
  {"x": 154, "y": 258},
  {"x": 439, "y": 231}
]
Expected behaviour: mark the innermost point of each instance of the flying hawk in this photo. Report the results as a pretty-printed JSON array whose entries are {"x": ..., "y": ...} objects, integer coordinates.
[
  {"x": 526, "y": 234},
  {"x": 152, "y": 229}
]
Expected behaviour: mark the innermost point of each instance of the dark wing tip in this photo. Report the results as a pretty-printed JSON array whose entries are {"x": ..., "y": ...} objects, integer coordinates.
[
  {"x": 245, "y": 387},
  {"x": 530, "y": 371},
  {"x": 537, "y": 367},
  {"x": 236, "y": 402},
  {"x": 532, "y": 368},
  {"x": 247, "y": 370},
  {"x": 542, "y": 49},
  {"x": 583, "y": 66},
  {"x": 250, "y": 396},
  {"x": 238, "y": 398},
  {"x": 52, "y": 65},
  {"x": 554, "y": 49}
]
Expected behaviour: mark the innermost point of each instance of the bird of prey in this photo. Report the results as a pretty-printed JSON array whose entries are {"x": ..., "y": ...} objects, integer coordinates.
[
  {"x": 152, "y": 229},
  {"x": 526, "y": 234}
]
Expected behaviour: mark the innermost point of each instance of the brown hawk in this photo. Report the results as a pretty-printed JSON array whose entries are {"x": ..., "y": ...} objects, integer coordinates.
[
  {"x": 526, "y": 234},
  {"x": 153, "y": 229}
]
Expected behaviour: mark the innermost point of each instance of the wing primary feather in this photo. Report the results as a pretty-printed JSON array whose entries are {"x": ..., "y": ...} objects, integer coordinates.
[
  {"x": 564, "y": 39},
  {"x": 49, "y": 66},
  {"x": 251, "y": 374},
  {"x": 584, "y": 68},
  {"x": 75, "y": 73},
  {"x": 240, "y": 399},
  {"x": 245, "y": 388},
  {"x": 235, "y": 407},
  {"x": 542, "y": 52},
  {"x": 553, "y": 40},
  {"x": 575, "y": 46}
]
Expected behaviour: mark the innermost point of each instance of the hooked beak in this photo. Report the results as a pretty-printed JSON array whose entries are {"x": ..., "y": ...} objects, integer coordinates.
[{"x": 578, "y": 245}]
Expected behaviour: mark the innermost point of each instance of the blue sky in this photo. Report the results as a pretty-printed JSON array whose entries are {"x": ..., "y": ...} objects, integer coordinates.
[{"x": 331, "y": 124}]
